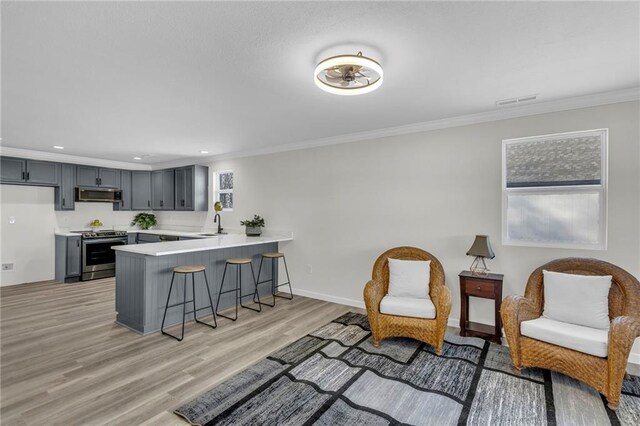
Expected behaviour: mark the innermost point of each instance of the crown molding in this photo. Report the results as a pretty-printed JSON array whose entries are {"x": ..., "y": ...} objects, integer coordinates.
[
  {"x": 503, "y": 113},
  {"x": 73, "y": 159}
]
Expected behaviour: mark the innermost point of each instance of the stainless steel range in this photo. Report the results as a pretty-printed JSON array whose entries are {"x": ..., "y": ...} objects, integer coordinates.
[{"x": 98, "y": 259}]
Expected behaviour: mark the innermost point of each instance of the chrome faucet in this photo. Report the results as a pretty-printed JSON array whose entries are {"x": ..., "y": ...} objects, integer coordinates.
[{"x": 218, "y": 220}]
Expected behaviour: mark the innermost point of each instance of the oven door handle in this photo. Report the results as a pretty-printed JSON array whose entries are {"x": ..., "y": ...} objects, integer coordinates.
[{"x": 105, "y": 240}]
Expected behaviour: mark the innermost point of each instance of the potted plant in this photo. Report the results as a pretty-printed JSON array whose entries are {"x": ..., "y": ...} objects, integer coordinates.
[
  {"x": 253, "y": 227},
  {"x": 145, "y": 220}
]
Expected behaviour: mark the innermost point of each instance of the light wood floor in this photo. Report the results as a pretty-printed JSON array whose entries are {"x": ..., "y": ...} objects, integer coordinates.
[{"x": 65, "y": 361}]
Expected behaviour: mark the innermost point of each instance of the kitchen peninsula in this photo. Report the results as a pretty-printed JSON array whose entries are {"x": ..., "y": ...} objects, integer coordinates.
[{"x": 143, "y": 275}]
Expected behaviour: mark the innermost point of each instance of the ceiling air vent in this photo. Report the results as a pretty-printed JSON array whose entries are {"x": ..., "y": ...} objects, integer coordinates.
[{"x": 515, "y": 101}]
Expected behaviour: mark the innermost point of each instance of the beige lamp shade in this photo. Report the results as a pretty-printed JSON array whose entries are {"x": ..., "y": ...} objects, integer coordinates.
[{"x": 481, "y": 247}]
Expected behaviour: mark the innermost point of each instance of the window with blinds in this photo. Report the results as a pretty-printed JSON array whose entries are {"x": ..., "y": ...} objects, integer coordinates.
[{"x": 554, "y": 192}]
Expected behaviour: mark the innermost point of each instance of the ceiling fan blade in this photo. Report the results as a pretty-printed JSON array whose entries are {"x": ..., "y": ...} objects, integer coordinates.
[
  {"x": 333, "y": 79},
  {"x": 335, "y": 73}
]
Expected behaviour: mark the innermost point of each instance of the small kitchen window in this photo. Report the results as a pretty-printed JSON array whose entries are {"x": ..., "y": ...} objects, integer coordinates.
[
  {"x": 224, "y": 188},
  {"x": 554, "y": 190}
]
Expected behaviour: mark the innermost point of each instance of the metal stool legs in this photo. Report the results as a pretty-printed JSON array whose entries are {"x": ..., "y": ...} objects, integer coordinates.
[
  {"x": 184, "y": 303},
  {"x": 274, "y": 285},
  {"x": 238, "y": 291}
]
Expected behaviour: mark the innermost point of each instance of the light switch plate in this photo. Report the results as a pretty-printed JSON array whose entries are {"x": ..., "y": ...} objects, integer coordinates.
[{"x": 12, "y": 219}]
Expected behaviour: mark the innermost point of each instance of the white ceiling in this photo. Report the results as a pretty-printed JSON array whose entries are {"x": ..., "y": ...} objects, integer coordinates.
[{"x": 168, "y": 79}]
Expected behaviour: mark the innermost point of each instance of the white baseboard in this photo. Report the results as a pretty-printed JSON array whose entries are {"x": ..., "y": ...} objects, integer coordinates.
[
  {"x": 634, "y": 358},
  {"x": 329, "y": 298}
]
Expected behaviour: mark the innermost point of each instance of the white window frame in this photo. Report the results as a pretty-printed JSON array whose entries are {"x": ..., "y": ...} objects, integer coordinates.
[
  {"x": 601, "y": 189},
  {"x": 218, "y": 191}
]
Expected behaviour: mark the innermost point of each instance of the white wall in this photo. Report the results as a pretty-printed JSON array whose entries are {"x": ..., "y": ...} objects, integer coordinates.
[
  {"x": 30, "y": 241},
  {"x": 436, "y": 190}
]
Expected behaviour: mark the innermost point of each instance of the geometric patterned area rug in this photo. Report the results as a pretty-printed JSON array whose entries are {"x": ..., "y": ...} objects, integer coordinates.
[{"x": 334, "y": 376}]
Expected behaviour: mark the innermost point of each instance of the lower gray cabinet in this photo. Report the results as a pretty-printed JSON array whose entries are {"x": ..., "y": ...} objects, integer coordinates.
[
  {"x": 65, "y": 193},
  {"x": 148, "y": 238},
  {"x": 68, "y": 258}
]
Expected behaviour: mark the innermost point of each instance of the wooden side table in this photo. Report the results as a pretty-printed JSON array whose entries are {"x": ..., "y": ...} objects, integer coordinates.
[{"x": 487, "y": 287}]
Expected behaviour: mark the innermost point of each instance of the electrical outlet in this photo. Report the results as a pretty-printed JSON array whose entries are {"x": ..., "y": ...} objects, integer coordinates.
[
  {"x": 8, "y": 266},
  {"x": 309, "y": 269}
]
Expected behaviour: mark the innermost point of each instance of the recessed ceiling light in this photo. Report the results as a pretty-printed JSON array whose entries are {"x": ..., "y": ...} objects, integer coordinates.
[
  {"x": 204, "y": 152},
  {"x": 58, "y": 147},
  {"x": 137, "y": 158},
  {"x": 348, "y": 75}
]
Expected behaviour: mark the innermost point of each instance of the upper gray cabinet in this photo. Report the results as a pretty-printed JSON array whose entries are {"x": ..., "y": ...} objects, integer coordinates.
[
  {"x": 192, "y": 188},
  {"x": 65, "y": 193},
  {"x": 89, "y": 176},
  {"x": 140, "y": 190},
  {"x": 125, "y": 187},
  {"x": 162, "y": 189},
  {"x": 35, "y": 172}
]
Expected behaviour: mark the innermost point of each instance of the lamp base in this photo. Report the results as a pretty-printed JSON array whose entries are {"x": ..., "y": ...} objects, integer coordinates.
[{"x": 479, "y": 267}]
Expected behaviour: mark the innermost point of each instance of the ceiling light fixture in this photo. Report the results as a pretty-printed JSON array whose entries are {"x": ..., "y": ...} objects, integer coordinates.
[
  {"x": 58, "y": 147},
  {"x": 137, "y": 158},
  {"x": 204, "y": 152},
  {"x": 348, "y": 75}
]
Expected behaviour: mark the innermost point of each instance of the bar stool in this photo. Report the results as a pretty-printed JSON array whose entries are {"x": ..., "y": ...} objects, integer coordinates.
[
  {"x": 274, "y": 287},
  {"x": 238, "y": 290},
  {"x": 186, "y": 270}
]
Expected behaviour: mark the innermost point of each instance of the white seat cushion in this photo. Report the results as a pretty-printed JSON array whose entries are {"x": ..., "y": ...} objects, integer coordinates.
[
  {"x": 408, "y": 307},
  {"x": 409, "y": 278},
  {"x": 592, "y": 341}
]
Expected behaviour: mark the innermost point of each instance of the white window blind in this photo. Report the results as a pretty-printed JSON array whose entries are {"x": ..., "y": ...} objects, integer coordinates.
[{"x": 554, "y": 190}]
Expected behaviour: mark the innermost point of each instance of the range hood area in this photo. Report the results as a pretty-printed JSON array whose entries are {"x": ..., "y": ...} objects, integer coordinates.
[{"x": 98, "y": 195}]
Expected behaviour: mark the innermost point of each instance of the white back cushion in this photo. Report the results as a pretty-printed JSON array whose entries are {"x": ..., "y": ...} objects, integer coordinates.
[
  {"x": 577, "y": 299},
  {"x": 409, "y": 278}
]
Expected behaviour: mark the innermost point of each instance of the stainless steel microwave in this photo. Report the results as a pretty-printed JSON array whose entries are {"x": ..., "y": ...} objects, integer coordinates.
[{"x": 99, "y": 195}]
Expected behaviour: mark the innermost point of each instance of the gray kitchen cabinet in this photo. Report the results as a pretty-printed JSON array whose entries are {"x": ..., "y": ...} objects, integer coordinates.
[
  {"x": 92, "y": 177},
  {"x": 125, "y": 187},
  {"x": 162, "y": 189},
  {"x": 192, "y": 188},
  {"x": 140, "y": 190},
  {"x": 68, "y": 258},
  {"x": 87, "y": 176},
  {"x": 109, "y": 178},
  {"x": 13, "y": 170},
  {"x": 65, "y": 193},
  {"x": 43, "y": 172},
  {"x": 33, "y": 172},
  {"x": 132, "y": 238},
  {"x": 147, "y": 238}
]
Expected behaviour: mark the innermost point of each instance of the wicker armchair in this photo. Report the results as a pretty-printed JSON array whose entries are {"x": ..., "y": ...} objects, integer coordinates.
[
  {"x": 603, "y": 374},
  {"x": 430, "y": 331}
]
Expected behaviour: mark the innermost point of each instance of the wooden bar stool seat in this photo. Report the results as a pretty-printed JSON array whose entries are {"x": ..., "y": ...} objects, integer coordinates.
[
  {"x": 186, "y": 270},
  {"x": 189, "y": 269},
  {"x": 238, "y": 263},
  {"x": 274, "y": 256}
]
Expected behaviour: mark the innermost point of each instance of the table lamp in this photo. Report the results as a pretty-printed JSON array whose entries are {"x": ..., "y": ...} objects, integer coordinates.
[{"x": 481, "y": 248}]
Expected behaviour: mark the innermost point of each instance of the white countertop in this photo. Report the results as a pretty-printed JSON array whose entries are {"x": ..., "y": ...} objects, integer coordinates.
[{"x": 204, "y": 244}]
